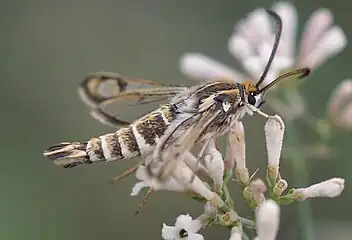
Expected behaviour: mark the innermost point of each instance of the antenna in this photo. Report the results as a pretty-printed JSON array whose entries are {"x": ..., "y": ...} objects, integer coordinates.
[
  {"x": 302, "y": 73},
  {"x": 278, "y": 30}
]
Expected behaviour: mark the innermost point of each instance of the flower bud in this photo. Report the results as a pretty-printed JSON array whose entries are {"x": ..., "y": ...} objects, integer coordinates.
[
  {"x": 257, "y": 188},
  {"x": 210, "y": 209},
  {"x": 274, "y": 134},
  {"x": 340, "y": 105},
  {"x": 236, "y": 233},
  {"x": 236, "y": 152},
  {"x": 228, "y": 218},
  {"x": 214, "y": 164},
  {"x": 329, "y": 188},
  {"x": 267, "y": 218},
  {"x": 280, "y": 187},
  {"x": 236, "y": 146}
]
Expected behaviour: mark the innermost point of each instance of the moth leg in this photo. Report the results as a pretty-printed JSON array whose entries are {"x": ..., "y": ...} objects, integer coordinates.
[
  {"x": 199, "y": 156},
  {"x": 125, "y": 173},
  {"x": 145, "y": 199},
  {"x": 263, "y": 114}
]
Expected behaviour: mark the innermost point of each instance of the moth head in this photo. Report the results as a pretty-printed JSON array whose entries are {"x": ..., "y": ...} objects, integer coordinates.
[{"x": 252, "y": 93}]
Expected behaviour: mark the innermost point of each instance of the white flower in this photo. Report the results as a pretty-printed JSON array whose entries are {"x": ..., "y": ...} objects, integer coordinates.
[
  {"x": 274, "y": 135},
  {"x": 147, "y": 181},
  {"x": 340, "y": 105},
  {"x": 252, "y": 41},
  {"x": 236, "y": 152},
  {"x": 267, "y": 220},
  {"x": 184, "y": 175},
  {"x": 236, "y": 146},
  {"x": 329, "y": 188},
  {"x": 182, "y": 178},
  {"x": 185, "y": 228},
  {"x": 236, "y": 233},
  {"x": 214, "y": 163},
  {"x": 200, "y": 67}
]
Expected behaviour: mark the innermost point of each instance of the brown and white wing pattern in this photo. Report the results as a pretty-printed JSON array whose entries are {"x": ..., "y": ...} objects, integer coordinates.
[
  {"x": 208, "y": 111},
  {"x": 112, "y": 96},
  {"x": 173, "y": 154}
]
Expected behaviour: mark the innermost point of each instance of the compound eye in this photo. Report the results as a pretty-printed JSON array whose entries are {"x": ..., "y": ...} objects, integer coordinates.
[{"x": 251, "y": 99}]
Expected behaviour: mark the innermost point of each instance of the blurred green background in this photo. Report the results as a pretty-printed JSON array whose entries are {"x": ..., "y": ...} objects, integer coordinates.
[{"x": 47, "y": 47}]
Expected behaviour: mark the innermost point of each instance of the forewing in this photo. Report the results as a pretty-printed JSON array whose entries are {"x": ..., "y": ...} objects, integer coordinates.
[
  {"x": 128, "y": 106},
  {"x": 100, "y": 86},
  {"x": 173, "y": 153},
  {"x": 111, "y": 96}
]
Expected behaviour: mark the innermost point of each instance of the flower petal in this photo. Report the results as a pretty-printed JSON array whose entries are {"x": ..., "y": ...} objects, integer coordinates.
[
  {"x": 341, "y": 95},
  {"x": 288, "y": 14},
  {"x": 195, "y": 236},
  {"x": 268, "y": 217},
  {"x": 340, "y": 98},
  {"x": 168, "y": 232},
  {"x": 185, "y": 228},
  {"x": 254, "y": 66},
  {"x": 346, "y": 118},
  {"x": 236, "y": 145},
  {"x": 274, "y": 134},
  {"x": 195, "y": 225},
  {"x": 214, "y": 163},
  {"x": 236, "y": 233},
  {"x": 170, "y": 184},
  {"x": 195, "y": 164},
  {"x": 200, "y": 67},
  {"x": 329, "y": 188},
  {"x": 138, "y": 187},
  {"x": 257, "y": 26},
  {"x": 317, "y": 24},
  {"x": 280, "y": 63},
  {"x": 186, "y": 177},
  {"x": 183, "y": 221},
  {"x": 240, "y": 47},
  {"x": 330, "y": 44}
]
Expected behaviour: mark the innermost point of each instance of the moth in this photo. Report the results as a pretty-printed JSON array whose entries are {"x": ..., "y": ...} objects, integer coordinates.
[{"x": 194, "y": 114}]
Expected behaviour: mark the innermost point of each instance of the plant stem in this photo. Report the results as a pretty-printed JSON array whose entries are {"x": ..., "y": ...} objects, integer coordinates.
[
  {"x": 226, "y": 193},
  {"x": 247, "y": 223},
  {"x": 300, "y": 173}
]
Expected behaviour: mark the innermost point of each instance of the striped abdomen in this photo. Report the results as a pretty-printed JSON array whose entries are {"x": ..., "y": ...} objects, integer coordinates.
[{"x": 137, "y": 139}]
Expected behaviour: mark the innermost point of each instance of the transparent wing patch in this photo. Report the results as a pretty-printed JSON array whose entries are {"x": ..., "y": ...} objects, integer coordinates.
[{"x": 117, "y": 100}]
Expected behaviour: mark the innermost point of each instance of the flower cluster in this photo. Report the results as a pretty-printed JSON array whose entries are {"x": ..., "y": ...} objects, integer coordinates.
[
  {"x": 223, "y": 211},
  {"x": 251, "y": 43},
  {"x": 206, "y": 180}
]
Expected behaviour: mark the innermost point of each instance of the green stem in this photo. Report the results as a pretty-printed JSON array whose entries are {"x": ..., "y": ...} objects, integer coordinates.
[
  {"x": 247, "y": 223},
  {"x": 300, "y": 173},
  {"x": 226, "y": 193}
]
